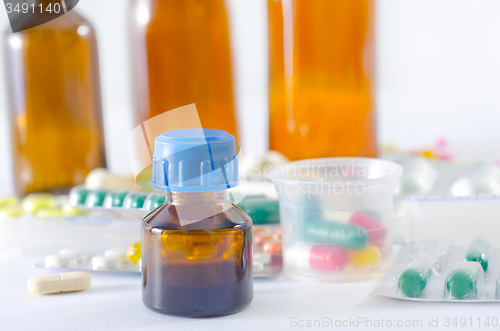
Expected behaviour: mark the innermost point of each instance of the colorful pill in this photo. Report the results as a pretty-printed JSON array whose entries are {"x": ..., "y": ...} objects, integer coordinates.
[
  {"x": 262, "y": 237},
  {"x": 335, "y": 233},
  {"x": 114, "y": 199},
  {"x": 377, "y": 231},
  {"x": 462, "y": 283},
  {"x": 69, "y": 211},
  {"x": 261, "y": 210},
  {"x": 272, "y": 246},
  {"x": 318, "y": 257},
  {"x": 478, "y": 251},
  {"x": 11, "y": 211},
  {"x": 78, "y": 195},
  {"x": 35, "y": 201},
  {"x": 8, "y": 201},
  {"x": 95, "y": 198},
  {"x": 368, "y": 256},
  {"x": 50, "y": 212},
  {"x": 134, "y": 252},
  {"x": 134, "y": 200},
  {"x": 153, "y": 201},
  {"x": 413, "y": 279}
]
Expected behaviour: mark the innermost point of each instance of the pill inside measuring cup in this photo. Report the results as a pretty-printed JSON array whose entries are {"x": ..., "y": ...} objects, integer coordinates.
[{"x": 377, "y": 231}]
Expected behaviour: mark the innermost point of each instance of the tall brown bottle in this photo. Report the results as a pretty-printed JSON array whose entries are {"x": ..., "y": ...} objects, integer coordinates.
[
  {"x": 55, "y": 104},
  {"x": 321, "y": 78},
  {"x": 181, "y": 55}
]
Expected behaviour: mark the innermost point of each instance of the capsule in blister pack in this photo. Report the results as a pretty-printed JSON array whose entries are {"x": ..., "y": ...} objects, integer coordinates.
[
  {"x": 412, "y": 281},
  {"x": 432, "y": 253},
  {"x": 465, "y": 282},
  {"x": 479, "y": 251}
]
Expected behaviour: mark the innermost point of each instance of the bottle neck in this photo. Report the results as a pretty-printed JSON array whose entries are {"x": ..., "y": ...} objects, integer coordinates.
[{"x": 196, "y": 198}]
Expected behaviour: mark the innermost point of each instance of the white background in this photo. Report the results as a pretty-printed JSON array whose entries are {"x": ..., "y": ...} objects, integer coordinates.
[{"x": 438, "y": 76}]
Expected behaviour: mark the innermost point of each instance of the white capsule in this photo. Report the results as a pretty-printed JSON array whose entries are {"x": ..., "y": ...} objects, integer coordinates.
[
  {"x": 60, "y": 261},
  {"x": 79, "y": 254},
  {"x": 59, "y": 283},
  {"x": 105, "y": 263}
]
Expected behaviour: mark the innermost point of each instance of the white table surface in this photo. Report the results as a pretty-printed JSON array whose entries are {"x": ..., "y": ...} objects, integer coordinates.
[{"x": 113, "y": 302}]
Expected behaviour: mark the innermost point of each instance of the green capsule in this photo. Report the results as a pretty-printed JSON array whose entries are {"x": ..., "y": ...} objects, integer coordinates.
[
  {"x": 134, "y": 200},
  {"x": 478, "y": 251},
  {"x": 153, "y": 201},
  {"x": 115, "y": 199},
  {"x": 78, "y": 195},
  {"x": 95, "y": 198},
  {"x": 335, "y": 233},
  {"x": 261, "y": 210},
  {"x": 413, "y": 280},
  {"x": 462, "y": 282}
]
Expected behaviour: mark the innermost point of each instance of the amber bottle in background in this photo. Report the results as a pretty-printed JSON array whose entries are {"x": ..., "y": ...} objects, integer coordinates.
[
  {"x": 181, "y": 55},
  {"x": 321, "y": 78},
  {"x": 55, "y": 104}
]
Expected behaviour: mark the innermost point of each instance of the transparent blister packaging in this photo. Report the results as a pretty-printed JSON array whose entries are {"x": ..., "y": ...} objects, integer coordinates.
[
  {"x": 99, "y": 222},
  {"x": 467, "y": 273}
]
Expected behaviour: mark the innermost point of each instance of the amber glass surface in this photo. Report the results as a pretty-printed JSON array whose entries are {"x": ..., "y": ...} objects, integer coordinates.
[
  {"x": 182, "y": 56},
  {"x": 196, "y": 256},
  {"x": 55, "y": 104},
  {"x": 321, "y": 78}
]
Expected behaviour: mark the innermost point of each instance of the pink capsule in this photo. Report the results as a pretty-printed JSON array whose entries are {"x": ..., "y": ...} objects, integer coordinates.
[
  {"x": 304, "y": 256},
  {"x": 377, "y": 231}
]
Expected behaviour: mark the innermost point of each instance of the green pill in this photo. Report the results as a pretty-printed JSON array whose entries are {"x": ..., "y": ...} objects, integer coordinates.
[
  {"x": 115, "y": 199},
  {"x": 78, "y": 195},
  {"x": 462, "y": 283},
  {"x": 413, "y": 280},
  {"x": 153, "y": 201},
  {"x": 95, "y": 198},
  {"x": 261, "y": 210},
  {"x": 335, "y": 233},
  {"x": 478, "y": 251},
  {"x": 134, "y": 200}
]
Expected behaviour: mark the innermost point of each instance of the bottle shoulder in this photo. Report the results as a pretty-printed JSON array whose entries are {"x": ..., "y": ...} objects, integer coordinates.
[
  {"x": 69, "y": 22},
  {"x": 174, "y": 217}
]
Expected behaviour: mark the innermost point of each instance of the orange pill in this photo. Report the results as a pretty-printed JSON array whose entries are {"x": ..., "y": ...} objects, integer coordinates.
[
  {"x": 272, "y": 246},
  {"x": 259, "y": 230},
  {"x": 261, "y": 238}
]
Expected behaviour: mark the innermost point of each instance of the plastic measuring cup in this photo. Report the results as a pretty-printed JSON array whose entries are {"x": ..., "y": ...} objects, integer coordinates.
[{"x": 336, "y": 217}]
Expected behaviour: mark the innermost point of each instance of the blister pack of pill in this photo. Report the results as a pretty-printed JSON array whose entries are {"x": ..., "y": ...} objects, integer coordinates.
[
  {"x": 267, "y": 258},
  {"x": 442, "y": 271}
]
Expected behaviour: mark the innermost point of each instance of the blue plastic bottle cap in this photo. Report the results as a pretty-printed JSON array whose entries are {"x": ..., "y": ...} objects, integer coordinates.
[{"x": 195, "y": 160}]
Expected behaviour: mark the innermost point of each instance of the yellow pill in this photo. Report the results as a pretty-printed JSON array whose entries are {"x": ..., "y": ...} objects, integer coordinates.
[
  {"x": 11, "y": 211},
  {"x": 366, "y": 257},
  {"x": 8, "y": 201},
  {"x": 50, "y": 212},
  {"x": 35, "y": 201},
  {"x": 134, "y": 252},
  {"x": 69, "y": 210}
]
